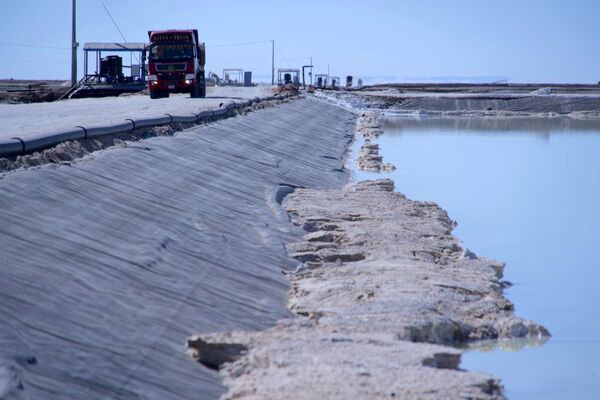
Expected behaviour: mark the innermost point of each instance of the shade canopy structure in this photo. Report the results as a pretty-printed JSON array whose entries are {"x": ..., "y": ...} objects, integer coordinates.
[
  {"x": 108, "y": 78},
  {"x": 294, "y": 74},
  {"x": 113, "y": 47}
]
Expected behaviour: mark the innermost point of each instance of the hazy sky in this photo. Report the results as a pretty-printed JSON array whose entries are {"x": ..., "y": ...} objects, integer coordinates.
[{"x": 518, "y": 40}]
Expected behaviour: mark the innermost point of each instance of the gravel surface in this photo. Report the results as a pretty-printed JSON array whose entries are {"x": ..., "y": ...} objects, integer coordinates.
[{"x": 25, "y": 120}]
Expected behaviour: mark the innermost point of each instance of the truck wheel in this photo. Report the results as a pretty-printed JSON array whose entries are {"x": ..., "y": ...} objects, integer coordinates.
[
  {"x": 195, "y": 92},
  {"x": 155, "y": 94},
  {"x": 202, "y": 86}
]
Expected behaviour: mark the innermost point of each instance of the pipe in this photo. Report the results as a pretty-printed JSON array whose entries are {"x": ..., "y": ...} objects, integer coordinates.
[
  {"x": 98, "y": 131},
  {"x": 43, "y": 141},
  {"x": 185, "y": 119},
  {"x": 11, "y": 147}
]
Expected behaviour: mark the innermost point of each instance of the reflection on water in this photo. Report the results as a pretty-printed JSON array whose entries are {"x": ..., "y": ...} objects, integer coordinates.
[
  {"x": 525, "y": 191},
  {"x": 487, "y": 346}
]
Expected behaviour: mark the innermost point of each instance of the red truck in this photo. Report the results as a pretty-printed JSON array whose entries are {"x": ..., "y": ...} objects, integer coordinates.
[{"x": 176, "y": 63}]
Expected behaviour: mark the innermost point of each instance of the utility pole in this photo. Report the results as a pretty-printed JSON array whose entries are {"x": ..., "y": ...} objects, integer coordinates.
[
  {"x": 272, "y": 62},
  {"x": 74, "y": 49}
]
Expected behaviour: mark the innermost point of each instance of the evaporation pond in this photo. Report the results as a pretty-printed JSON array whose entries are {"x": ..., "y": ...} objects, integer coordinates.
[{"x": 527, "y": 192}]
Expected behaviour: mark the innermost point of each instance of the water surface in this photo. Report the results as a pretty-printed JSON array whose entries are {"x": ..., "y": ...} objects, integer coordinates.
[{"x": 525, "y": 191}]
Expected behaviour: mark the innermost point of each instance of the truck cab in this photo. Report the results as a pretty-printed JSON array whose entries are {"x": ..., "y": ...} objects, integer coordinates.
[{"x": 176, "y": 63}]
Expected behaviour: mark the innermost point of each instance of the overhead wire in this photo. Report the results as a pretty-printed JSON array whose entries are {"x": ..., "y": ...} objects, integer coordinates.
[
  {"x": 238, "y": 44},
  {"x": 284, "y": 59},
  {"x": 31, "y": 61},
  {"x": 34, "y": 46},
  {"x": 118, "y": 29},
  {"x": 113, "y": 21}
]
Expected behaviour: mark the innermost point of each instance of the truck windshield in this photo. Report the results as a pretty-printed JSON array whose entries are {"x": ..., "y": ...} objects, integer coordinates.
[{"x": 171, "y": 51}]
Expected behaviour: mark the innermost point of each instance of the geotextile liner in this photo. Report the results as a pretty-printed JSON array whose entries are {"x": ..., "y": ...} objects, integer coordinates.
[{"x": 108, "y": 264}]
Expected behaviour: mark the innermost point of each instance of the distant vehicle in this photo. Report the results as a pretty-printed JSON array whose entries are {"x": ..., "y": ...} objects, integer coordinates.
[{"x": 176, "y": 63}]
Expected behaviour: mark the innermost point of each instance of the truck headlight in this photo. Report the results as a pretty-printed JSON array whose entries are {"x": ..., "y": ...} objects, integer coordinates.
[
  {"x": 190, "y": 77},
  {"x": 152, "y": 77}
]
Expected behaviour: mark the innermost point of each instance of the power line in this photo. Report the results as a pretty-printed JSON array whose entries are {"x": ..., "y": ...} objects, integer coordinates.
[
  {"x": 34, "y": 46},
  {"x": 238, "y": 44},
  {"x": 214, "y": 60},
  {"x": 117, "y": 26},
  {"x": 286, "y": 61},
  {"x": 113, "y": 21},
  {"x": 31, "y": 61}
]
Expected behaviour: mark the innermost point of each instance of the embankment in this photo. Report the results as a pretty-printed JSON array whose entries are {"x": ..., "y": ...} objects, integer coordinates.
[
  {"x": 110, "y": 262},
  {"x": 503, "y": 104},
  {"x": 384, "y": 288}
]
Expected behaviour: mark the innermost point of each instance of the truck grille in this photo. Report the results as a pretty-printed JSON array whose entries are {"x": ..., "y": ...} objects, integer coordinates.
[{"x": 170, "y": 67}]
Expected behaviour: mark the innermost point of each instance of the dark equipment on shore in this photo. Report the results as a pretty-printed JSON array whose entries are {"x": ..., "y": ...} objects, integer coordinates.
[
  {"x": 288, "y": 76},
  {"x": 322, "y": 81},
  {"x": 111, "y": 68},
  {"x": 335, "y": 82},
  {"x": 349, "y": 81},
  {"x": 247, "y": 78},
  {"x": 213, "y": 79}
]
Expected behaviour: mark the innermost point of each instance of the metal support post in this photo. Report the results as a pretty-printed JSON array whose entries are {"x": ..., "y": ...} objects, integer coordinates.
[
  {"x": 74, "y": 48},
  {"x": 272, "y": 62}
]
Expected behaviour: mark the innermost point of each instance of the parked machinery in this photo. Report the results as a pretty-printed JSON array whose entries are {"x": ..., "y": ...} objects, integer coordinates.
[
  {"x": 111, "y": 69},
  {"x": 288, "y": 76},
  {"x": 322, "y": 80},
  {"x": 335, "y": 82}
]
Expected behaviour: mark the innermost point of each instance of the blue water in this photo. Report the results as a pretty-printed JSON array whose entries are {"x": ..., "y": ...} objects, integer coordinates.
[{"x": 526, "y": 192}]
